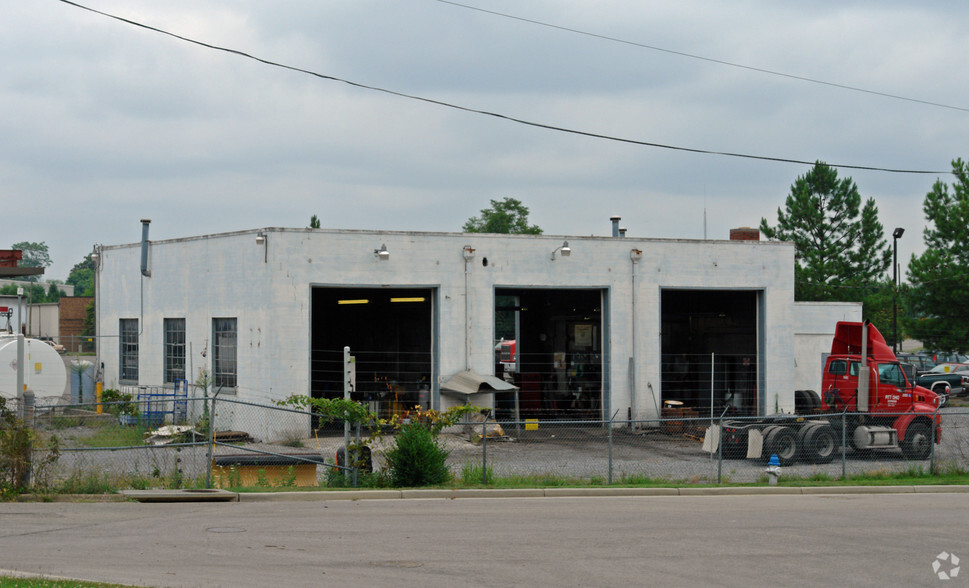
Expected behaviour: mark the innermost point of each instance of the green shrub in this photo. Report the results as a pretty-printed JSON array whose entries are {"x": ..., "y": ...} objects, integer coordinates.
[{"x": 417, "y": 459}]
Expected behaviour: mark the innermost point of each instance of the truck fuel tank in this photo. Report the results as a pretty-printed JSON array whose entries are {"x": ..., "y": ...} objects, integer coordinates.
[{"x": 875, "y": 437}]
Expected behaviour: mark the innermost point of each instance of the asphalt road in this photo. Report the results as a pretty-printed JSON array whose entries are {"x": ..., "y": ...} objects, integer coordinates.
[{"x": 751, "y": 540}]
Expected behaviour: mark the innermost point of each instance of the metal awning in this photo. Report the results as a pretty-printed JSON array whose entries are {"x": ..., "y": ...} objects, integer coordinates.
[{"x": 469, "y": 382}]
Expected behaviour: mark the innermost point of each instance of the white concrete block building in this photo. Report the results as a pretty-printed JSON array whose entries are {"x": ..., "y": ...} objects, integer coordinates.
[{"x": 602, "y": 325}]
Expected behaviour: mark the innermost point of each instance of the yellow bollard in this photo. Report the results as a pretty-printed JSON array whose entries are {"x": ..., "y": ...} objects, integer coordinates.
[{"x": 97, "y": 395}]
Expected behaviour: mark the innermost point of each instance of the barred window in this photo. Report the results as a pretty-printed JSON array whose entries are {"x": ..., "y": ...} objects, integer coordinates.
[
  {"x": 224, "y": 351},
  {"x": 174, "y": 349},
  {"x": 128, "y": 351}
]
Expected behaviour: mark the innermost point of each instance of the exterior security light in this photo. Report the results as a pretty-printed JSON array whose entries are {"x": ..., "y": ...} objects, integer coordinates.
[
  {"x": 260, "y": 238},
  {"x": 636, "y": 254},
  {"x": 382, "y": 253},
  {"x": 564, "y": 249},
  {"x": 899, "y": 231}
]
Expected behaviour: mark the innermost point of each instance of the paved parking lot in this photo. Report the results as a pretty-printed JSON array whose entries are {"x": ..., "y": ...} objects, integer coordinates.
[{"x": 840, "y": 539}]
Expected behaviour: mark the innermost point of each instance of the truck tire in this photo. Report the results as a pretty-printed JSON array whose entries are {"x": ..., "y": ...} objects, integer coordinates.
[
  {"x": 782, "y": 442},
  {"x": 818, "y": 443},
  {"x": 918, "y": 441},
  {"x": 806, "y": 401}
]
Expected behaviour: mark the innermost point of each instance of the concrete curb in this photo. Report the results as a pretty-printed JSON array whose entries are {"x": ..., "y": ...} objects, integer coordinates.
[
  {"x": 449, "y": 494},
  {"x": 453, "y": 494}
]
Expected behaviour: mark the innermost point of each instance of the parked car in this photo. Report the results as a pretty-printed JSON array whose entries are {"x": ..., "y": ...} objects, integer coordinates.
[
  {"x": 945, "y": 379},
  {"x": 922, "y": 363},
  {"x": 57, "y": 346},
  {"x": 946, "y": 357}
]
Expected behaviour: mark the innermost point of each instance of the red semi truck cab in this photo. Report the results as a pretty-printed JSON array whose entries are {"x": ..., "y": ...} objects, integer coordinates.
[{"x": 862, "y": 375}]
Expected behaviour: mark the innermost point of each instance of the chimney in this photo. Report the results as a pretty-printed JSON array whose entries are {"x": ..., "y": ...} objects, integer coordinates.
[
  {"x": 745, "y": 234},
  {"x": 615, "y": 225},
  {"x": 144, "y": 247}
]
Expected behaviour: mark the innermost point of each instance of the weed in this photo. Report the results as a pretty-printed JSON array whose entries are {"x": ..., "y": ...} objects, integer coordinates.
[
  {"x": 471, "y": 474},
  {"x": 289, "y": 478}
]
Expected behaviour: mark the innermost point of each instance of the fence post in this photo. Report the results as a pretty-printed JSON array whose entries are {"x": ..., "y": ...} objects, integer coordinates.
[
  {"x": 211, "y": 415},
  {"x": 484, "y": 450},
  {"x": 713, "y": 365},
  {"x": 612, "y": 418},
  {"x": 844, "y": 443},
  {"x": 935, "y": 416},
  {"x": 720, "y": 448}
]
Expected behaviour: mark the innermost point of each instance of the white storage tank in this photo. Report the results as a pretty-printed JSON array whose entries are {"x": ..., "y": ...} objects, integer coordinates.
[{"x": 45, "y": 373}]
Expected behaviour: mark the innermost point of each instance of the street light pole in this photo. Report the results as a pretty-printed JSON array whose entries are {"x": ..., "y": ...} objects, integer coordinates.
[{"x": 896, "y": 235}]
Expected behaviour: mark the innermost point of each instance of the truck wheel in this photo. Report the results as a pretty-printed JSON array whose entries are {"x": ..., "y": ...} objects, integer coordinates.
[
  {"x": 806, "y": 401},
  {"x": 918, "y": 442},
  {"x": 781, "y": 441},
  {"x": 818, "y": 443}
]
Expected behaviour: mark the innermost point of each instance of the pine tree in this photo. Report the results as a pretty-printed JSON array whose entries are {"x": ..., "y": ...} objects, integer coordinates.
[{"x": 840, "y": 249}]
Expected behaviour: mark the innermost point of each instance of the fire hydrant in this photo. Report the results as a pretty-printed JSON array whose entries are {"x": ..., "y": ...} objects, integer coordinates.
[{"x": 773, "y": 469}]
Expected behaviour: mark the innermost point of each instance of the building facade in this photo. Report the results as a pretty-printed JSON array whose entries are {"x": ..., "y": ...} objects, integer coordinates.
[{"x": 603, "y": 326}]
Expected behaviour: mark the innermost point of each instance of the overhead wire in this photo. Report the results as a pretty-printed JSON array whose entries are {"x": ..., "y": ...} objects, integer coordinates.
[
  {"x": 703, "y": 58},
  {"x": 495, "y": 114}
]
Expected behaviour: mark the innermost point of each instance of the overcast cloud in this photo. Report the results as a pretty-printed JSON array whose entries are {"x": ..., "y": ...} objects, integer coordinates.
[{"x": 105, "y": 123}]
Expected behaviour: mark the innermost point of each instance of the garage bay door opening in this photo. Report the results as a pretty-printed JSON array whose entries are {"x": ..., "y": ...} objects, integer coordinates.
[
  {"x": 709, "y": 351},
  {"x": 389, "y": 333},
  {"x": 557, "y": 355}
]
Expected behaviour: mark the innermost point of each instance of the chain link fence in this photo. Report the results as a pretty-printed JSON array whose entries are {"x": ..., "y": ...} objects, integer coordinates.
[{"x": 156, "y": 441}]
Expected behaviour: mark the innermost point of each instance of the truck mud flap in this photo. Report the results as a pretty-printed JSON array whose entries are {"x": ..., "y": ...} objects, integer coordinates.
[
  {"x": 711, "y": 439},
  {"x": 755, "y": 443}
]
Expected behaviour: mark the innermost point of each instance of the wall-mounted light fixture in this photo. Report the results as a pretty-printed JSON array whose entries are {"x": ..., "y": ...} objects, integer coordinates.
[
  {"x": 262, "y": 240},
  {"x": 468, "y": 252},
  {"x": 636, "y": 254},
  {"x": 382, "y": 253},
  {"x": 564, "y": 250}
]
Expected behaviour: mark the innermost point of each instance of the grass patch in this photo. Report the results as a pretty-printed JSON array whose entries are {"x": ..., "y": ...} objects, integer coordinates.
[
  {"x": 9, "y": 582},
  {"x": 115, "y": 436}
]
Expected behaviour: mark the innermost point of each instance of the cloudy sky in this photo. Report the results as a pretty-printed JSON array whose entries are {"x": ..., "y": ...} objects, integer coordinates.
[{"x": 105, "y": 123}]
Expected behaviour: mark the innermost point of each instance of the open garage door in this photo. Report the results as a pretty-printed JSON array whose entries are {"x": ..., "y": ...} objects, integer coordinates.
[
  {"x": 710, "y": 350},
  {"x": 557, "y": 359},
  {"x": 389, "y": 333}
]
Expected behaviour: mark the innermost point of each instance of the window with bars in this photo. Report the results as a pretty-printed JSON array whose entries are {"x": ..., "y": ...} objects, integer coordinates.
[
  {"x": 174, "y": 349},
  {"x": 128, "y": 351},
  {"x": 224, "y": 352}
]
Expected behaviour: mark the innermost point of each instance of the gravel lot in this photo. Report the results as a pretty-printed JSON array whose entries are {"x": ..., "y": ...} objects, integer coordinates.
[{"x": 575, "y": 450}]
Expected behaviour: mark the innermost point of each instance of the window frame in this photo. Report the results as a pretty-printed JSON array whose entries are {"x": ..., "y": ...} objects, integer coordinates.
[
  {"x": 173, "y": 350},
  {"x": 128, "y": 350},
  {"x": 225, "y": 342}
]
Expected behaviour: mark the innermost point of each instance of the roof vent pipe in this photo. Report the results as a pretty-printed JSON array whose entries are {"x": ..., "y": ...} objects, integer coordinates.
[
  {"x": 144, "y": 247},
  {"x": 615, "y": 225},
  {"x": 622, "y": 232}
]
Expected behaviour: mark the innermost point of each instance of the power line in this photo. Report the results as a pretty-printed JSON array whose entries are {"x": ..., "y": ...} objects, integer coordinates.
[
  {"x": 703, "y": 58},
  {"x": 495, "y": 114}
]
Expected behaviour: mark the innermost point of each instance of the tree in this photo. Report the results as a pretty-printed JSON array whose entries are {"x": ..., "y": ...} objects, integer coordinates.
[
  {"x": 314, "y": 222},
  {"x": 82, "y": 277},
  {"x": 34, "y": 255},
  {"x": 506, "y": 216},
  {"x": 840, "y": 252},
  {"x": 937, "y": 297}
]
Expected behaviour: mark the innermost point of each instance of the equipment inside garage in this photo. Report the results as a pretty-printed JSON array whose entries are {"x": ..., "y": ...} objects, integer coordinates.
[
  {"x": 558, "y": 363},
  {"x": 388, "y": 331},
  {"x": 709, "y": 350}
]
